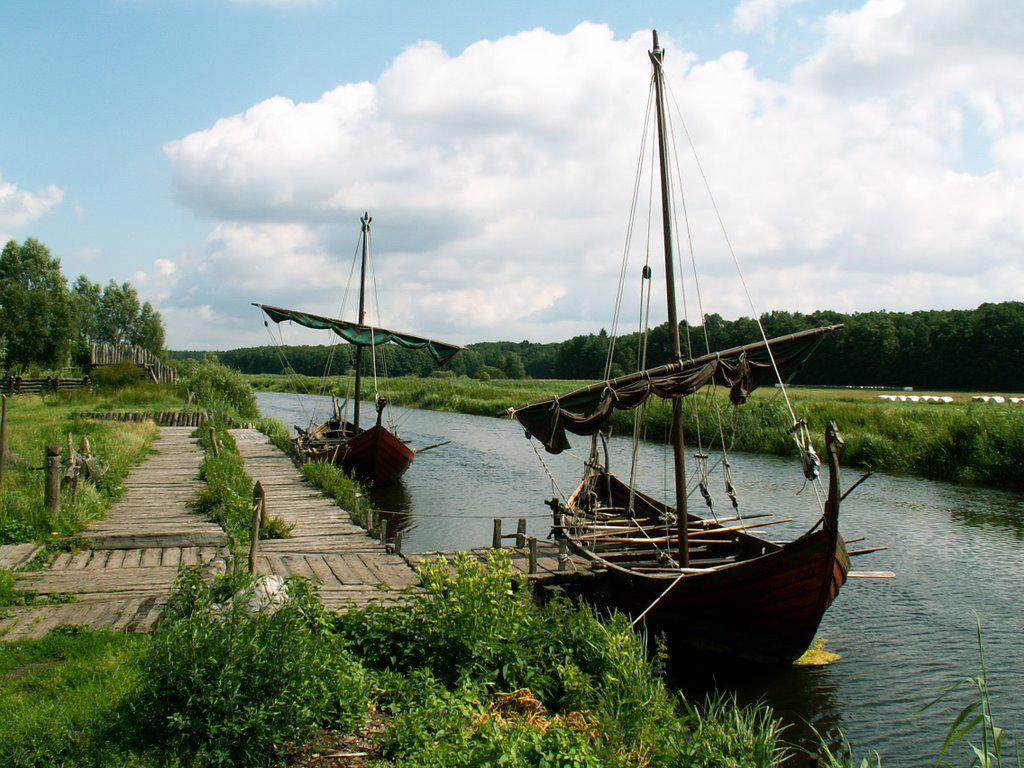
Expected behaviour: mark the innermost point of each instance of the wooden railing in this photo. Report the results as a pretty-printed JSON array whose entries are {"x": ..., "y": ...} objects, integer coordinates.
[
  {"x": 113, "y": 354},
  {"x": 22, "y": 385}
]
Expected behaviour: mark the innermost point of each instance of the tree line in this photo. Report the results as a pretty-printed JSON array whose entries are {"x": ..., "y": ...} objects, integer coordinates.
[
  {"x": 941, "y": 349},
  {"x": 46, "y": 325}
]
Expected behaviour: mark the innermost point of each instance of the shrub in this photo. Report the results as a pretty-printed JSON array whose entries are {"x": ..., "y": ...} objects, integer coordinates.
[
  {"x": 234, "y": 688},
  {"x": 219, "y": 388},
  {"x": 123, "y": 374},
  {"x": 334, "y": 482}
]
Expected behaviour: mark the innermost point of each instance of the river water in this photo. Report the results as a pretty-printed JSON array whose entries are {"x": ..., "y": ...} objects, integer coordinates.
[{"x": 956, "y": 550}]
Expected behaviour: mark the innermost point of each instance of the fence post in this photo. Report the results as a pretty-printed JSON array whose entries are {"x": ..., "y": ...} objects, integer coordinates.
[
  {"x": 52, "y": 488},
  {"x": 496, "y": 535},
  {"x": 383, "y": 531},
  {"x": 254, "y": 541},
  {"x": 259, "y": 496},
  {"x": 213, "y": 443},
  {"x": 398, "y": 543},
  {"x": 73, "y": 470},
  {"x": 563, "y": 555},
  {"x": 533, "y": 554},
  {"x": 3, "y": 434},
  {"x": 369, "y": 521},
  {"x": 521, "y": 533}
]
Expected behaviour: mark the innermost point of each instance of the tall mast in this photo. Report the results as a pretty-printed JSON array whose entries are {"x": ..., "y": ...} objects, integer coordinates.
[
  {"x": 678, "y": 444},
  {"x": 365, "y": 221}
]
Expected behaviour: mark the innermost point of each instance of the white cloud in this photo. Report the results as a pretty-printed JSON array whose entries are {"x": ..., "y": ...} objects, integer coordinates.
[
  {"x": 760, "y": 15},
  {"x": 499, "y": 179},
  {"x": 19, "y": 207},
  {"x": 165, "y": 267}
]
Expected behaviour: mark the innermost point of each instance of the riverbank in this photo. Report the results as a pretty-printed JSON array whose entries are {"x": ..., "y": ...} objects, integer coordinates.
[{"x": 961, "y": 442}]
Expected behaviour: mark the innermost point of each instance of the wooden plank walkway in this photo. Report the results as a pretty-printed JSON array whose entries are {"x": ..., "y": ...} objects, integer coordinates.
[
  {"x": 123, "y": 582},
  {"x": 325, "y": 545}
]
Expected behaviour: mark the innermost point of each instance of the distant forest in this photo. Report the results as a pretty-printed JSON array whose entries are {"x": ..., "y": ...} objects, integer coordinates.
[{"x": 979, "y": 348}]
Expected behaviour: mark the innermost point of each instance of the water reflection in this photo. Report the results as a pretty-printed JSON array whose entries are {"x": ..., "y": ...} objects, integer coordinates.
[{"x": 955, "y": 550}]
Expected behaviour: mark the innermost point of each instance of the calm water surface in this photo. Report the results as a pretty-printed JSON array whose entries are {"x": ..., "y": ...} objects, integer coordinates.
[{"x": 955, "y": 550}]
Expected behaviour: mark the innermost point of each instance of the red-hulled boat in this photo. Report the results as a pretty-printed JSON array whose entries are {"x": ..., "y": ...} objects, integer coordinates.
[{"x": 376, "y": 454}]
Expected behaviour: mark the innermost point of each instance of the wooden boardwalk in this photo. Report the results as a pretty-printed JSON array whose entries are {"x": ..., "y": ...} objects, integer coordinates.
[
  {"x": 123, "y": 582},
  {"x": 325, "y": 545}
]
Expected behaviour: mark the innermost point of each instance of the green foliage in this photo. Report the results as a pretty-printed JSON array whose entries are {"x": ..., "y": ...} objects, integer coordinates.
[
  {"x": 477, "y": 632},
  {"x": 119, "y": 375},
  {"x": 227, "y": 496},
  {"x": 219, "y": 388},
  {"x": 334, "y": 482},
  {"x": 35, "y": 313},
  {"x": 234, "y": 687},
  {"x": 277, "y": 432}
]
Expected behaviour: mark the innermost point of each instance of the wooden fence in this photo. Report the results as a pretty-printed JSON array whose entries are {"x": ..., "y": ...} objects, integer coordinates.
[
  {"x": 160, "y": 418},
  {"x": 113, "y": 354},
  {"x": 21, "y": 385}
]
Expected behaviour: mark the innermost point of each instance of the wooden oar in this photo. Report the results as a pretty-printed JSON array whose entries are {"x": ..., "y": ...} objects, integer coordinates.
[
  {"x": 431, "y": 447},
  {"x": 871, "y": 575},
  {"x": 730, "y": 529}
]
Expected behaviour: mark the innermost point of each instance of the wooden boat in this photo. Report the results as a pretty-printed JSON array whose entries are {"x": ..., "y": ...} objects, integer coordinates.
[
  {"x": 376, "y": 454},
  {"x": 708, "y": 584}
]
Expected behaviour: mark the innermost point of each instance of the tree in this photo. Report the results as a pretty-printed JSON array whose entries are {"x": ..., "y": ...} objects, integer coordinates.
[
  {"x": 512, "y": 365},
  {"x": 119, "y": 311},
  {"x": 35, "y": 310},
  {"x": 148, "y": 329}
]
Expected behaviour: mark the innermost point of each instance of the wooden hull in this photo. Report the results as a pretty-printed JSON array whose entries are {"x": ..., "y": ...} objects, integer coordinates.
[
  {"x": 765, "y": 607},
  {"x": 374, "y": 455}
]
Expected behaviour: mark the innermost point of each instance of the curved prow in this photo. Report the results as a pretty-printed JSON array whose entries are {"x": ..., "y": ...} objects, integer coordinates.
[{"x": 833, "y": 445}]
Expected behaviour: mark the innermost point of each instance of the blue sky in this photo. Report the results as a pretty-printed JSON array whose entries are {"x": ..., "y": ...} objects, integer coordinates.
[{"x": 95, "y": 91}]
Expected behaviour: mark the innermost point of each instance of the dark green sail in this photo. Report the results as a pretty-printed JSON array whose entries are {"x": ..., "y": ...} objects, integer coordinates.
[{"x": 363, "y": 335}]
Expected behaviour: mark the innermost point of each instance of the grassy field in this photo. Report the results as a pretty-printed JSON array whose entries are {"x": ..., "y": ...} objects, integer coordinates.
[
  {"x": 34, "y": 422},
  {"x": 961, "y": 441}
]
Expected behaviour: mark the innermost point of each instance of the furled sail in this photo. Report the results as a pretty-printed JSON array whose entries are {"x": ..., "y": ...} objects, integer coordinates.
[
  {"x": 363, "y": 335},
  {"x": 741, "y": 369}
]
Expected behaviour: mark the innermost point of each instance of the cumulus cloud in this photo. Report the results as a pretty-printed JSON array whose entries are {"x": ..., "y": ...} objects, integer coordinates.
[
  {"x": 760, "y": 15},
  {"x": 500, "y": 178},
  {"x": 19, "y": 207}
]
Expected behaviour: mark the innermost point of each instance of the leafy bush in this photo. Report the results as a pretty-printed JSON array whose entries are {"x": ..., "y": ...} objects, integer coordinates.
[
  {"x": 233, "y": 688},
  {"x": 219, "y": 388},
  {"x": 119, "y": 375}
]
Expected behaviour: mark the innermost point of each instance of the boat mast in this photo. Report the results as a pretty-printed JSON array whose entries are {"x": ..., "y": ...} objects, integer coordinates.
[
  {"x": 678, "y": 442},
  {"x": 365, "y": 221}
]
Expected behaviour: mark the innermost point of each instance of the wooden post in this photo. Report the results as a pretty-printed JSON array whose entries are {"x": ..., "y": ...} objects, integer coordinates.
[
  {"x": 496, "y": 535},
  {"x": 533, "y": 554},
  {"x": 521, "y": 533},
  {"x": 254, "y": 541},
  {"x": 398, "y": 543},
  {"x": 383, "y": 530},
  {"x": 52, "y": 488},
  {"x": 72, "y": 469},
  {"x": 213, "y": 443},
  {"x": 563, "y": 555},
  {"x": 3, "y": 434},
  {"x": 369, "y": 520},
  {"x": 355, "y": 510},
  {"x": 86, "y": 448},
  {"x": 259, "y": 496}
]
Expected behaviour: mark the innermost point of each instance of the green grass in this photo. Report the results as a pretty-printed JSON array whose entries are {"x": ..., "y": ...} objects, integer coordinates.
[
  {"x": 960, "y": 442},
  {"x": 227, "y": 496},
  {"x": 37, "y": 421}
]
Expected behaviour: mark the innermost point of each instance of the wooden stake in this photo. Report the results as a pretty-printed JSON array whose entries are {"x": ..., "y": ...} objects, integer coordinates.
[
  {"x": 213, "y": 443},
  {"x": 398, "y": 543},
  {"x": 369, "y": 521},
  {"x": 72, "y": 469},
  {"x": 3, "y": 434},
  {"x": 383, "y": 530},
  {"x": 521, "y": 533},
  {"x": 52, "y": 488},
  {"x": 254, "y": 541},
  {"x": 563, "y": 555},
  {"x": 533, "y": 554},
  {"x": 259, "y": 496},
  {"x": 496, "y": 535}
]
